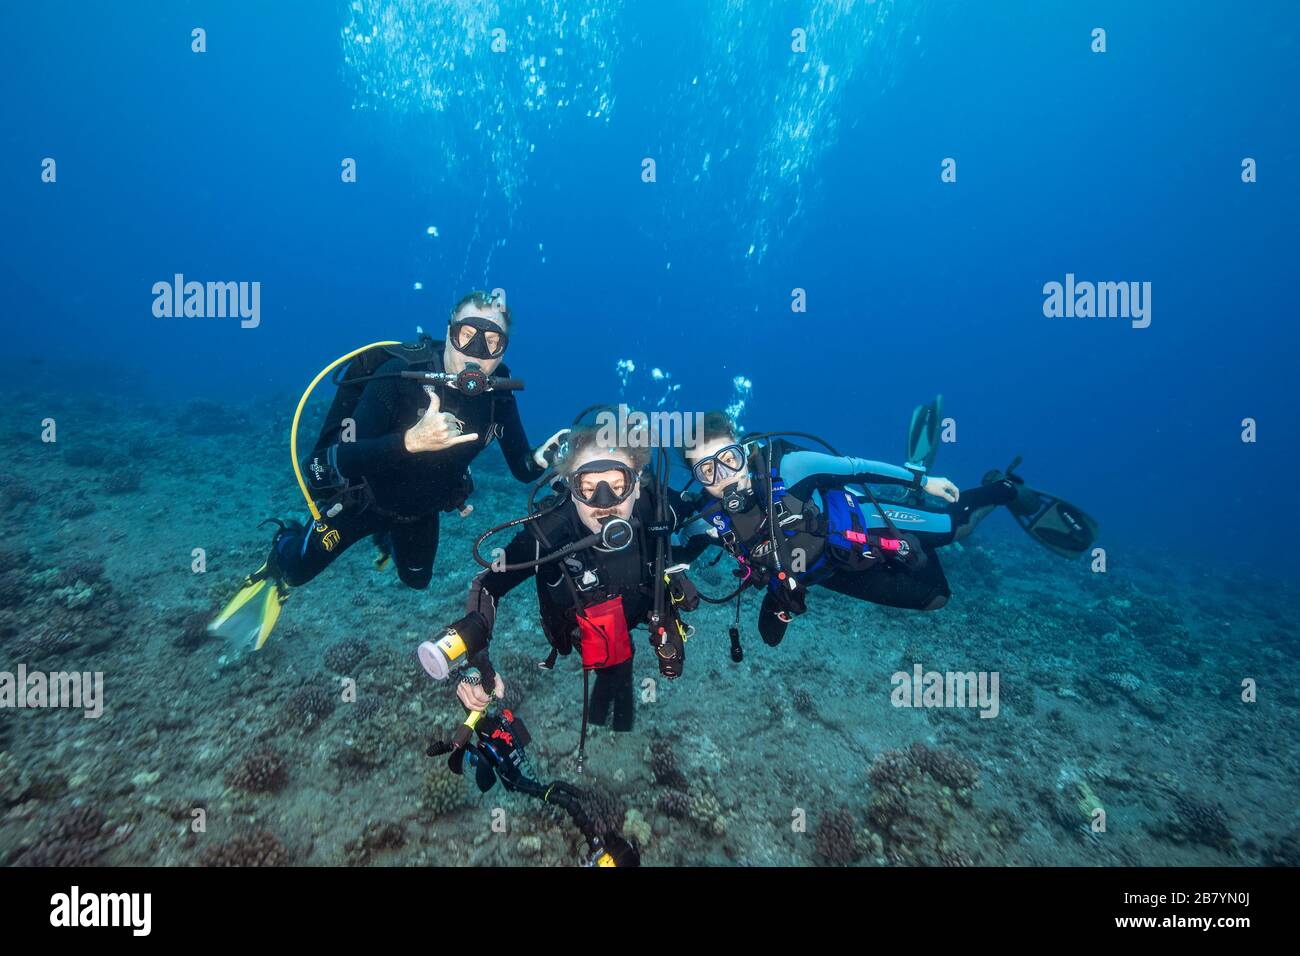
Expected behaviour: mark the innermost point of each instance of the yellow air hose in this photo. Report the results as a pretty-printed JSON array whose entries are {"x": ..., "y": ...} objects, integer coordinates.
[{"x": 297, "y": 414}]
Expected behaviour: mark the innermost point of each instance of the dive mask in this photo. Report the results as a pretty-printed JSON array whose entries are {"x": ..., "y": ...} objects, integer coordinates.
[
  {"x": 602, "y": 493},
  {"x": 726, "y": 462},
  {"x": 477, "y": 337}
]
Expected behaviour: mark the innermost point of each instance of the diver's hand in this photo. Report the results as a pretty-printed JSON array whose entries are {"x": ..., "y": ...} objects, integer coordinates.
[
  {"x": 472, "y": 696},
  {"x": 551, "y": 445},
  {"x": 436, "y": 429},
  {"x": 941, "y": 488}
]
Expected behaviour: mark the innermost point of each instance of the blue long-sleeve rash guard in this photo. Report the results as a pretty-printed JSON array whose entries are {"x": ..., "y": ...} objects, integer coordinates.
[{"x": 807, "y": 471}]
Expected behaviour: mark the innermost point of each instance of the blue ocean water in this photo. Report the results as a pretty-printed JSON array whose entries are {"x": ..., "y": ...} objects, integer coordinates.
[{"x": 776, "y": 170}]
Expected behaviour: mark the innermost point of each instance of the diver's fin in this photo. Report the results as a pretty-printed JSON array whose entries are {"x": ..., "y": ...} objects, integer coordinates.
[
  {"x": 276, "y": 595},
  {"x": 1055, "y": 524},
  {"x": 923, "y": 433},
  {"x": 251, "y": 614},
  {"x": 383, "y": 551}
]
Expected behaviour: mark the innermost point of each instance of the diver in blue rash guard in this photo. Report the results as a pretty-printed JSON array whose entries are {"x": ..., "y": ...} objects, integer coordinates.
[{"x": 883, "y": 553}]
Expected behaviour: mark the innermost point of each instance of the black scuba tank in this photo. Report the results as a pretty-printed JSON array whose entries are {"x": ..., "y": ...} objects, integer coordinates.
[{"x": 420, "y": 355}]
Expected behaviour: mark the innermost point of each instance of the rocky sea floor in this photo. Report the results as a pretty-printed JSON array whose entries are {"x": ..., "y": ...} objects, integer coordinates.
[{"x": 1120, "y": 691}]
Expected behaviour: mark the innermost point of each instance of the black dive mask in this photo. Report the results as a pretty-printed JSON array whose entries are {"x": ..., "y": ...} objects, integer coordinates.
[
  {"x": 476, "y": 343},
  {"x": 603, "y": 496}
]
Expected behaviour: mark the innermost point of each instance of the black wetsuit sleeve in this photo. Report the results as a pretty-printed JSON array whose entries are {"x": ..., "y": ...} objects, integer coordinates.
[
  {"x": 496, "y": 584},
  {"x": 380, "y": 438},
  {"x": 514, "y": 441}
]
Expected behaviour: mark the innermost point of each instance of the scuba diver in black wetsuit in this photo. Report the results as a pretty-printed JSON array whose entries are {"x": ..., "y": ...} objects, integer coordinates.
[
  {"x": 601, "y": 553},
  {"x": 884, "y": 552},
  {"x": 395, "y": 451}
]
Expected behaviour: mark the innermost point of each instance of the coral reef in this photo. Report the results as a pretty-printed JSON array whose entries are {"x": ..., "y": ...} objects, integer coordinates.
[
  {"x": 367, "y": 707},
  {"x": 1195, "y": 820},
  {"x": 60, "y": 853},
  {"x": 14, "y": 781},
  {"x": 122, "y": 481},
  {"x": 82, "y": 822},
  {"x": 15, "y": 494},
  {"x": 674, "y": 803},
  {"x": 378, "y": 836},
  {"x": 663, "y": 764},
  {"x": 343, "y": 657},
  {"x": 47, "y": 611},
  {"x": 443, "y": 791},
  {"x": 254, "y": 848},
  {"x": 835, "y": 836},
  {"x": 705, "y": 810},
  {"x": 945, "y": 765},
  {"x": 72, "y": 837},
  {"x": 920, "y": 807},
  {"x": 803, "y": 703},
  {"x": 1117, "y": 666},
  {"x": 265, "y": 770},
  {"x": 191, "y": 629},
  {"x": 309, "y": 705},
  {"x": 605, "y": 809}
]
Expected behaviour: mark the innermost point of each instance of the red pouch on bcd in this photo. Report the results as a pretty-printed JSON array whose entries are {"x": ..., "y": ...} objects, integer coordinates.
[{"x": 604, "y": 640}]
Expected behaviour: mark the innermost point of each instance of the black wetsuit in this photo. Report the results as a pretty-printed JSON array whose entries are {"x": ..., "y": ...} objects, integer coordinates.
[
  {"x": 403, "y": 491},
  {"x": 804, "y": 503},
  {"x": 582, "y": 581}
]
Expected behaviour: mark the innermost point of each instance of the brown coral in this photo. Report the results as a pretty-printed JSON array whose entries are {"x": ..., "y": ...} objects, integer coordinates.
[
  {"x": 61, "y": 854},
  {"x": 83, "y": 822},
  {"x": 262, "y": 771},
  {"x": 343, "y": 657},
  {"x": 920, "y": 806},
  {"x": 835, "y": 837},
  {"x": 308, "y": 706},
  {"x": 674, "y": 803},
  {"x": 945, "y": 765},
  {"x": 663, "y": 764},
  {"x": 442, "y": 791},
  {"x": 255, "y": 848}
]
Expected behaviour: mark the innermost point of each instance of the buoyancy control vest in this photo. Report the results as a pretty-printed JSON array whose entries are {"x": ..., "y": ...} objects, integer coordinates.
[
  {"x": 592, "y": 598},
  {"x": 817, "y": 535},
  {"x": 330, "y": 491}
]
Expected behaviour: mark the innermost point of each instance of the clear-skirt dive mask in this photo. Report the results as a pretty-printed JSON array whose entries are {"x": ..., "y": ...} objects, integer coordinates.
[{"x": 726, "y": 462}]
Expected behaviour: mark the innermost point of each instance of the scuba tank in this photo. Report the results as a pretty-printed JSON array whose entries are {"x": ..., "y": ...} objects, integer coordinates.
[
  {"x": 328, "y": 494},
  {"x": 842, "y": 536}
]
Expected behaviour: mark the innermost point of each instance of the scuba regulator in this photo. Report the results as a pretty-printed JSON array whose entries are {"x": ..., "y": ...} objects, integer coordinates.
[
  {"x": 471, "y": 380},
  {"x": 326, "y": 488}
]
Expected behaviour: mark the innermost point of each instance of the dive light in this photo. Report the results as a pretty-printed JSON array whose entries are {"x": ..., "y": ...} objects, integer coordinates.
[{"x": 459, "y": 643}]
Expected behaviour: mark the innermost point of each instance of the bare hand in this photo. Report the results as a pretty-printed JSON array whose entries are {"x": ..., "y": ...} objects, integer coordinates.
[
  {"x": 539, "y": 456},
  {"x": 472, "y": 696},
  {"x": 941, "y": 488},
  {"x": 436, "y": 429}
]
